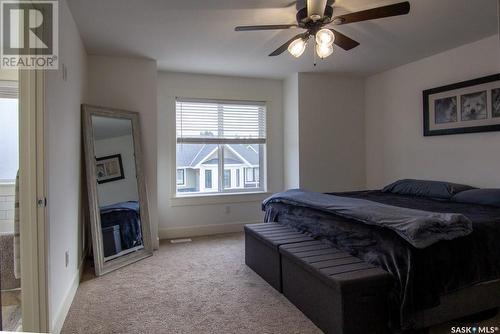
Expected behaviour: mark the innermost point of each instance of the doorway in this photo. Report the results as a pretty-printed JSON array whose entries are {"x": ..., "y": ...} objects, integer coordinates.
[
  {"x": 23, "y": 286},
  {"x": 10, "y": 269}
]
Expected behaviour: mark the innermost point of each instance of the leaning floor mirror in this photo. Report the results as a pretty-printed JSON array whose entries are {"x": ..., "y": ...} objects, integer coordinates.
[{"x": 116, "y": 188}]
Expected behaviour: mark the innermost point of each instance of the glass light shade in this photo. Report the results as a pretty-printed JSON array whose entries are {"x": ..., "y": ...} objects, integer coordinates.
[
  {"x": 325, "y": 37},
  {"x": 324, "y": 51},
  {"x": 297, "y": 47}
]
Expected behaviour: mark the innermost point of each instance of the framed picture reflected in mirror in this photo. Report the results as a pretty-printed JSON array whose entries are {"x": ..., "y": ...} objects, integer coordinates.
[{"x": 109, "y": 168}]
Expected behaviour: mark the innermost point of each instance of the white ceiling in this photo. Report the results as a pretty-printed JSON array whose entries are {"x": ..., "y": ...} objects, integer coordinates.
[{"x": 198, "y": 36}]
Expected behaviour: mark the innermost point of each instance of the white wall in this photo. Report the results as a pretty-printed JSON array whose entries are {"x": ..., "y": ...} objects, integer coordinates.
[
  {"x": 331, "y": 126},
  {"x": 194, "y": 216},
  {"x": 324, "y": 132},
  {"x": 395, "y": 145},
  {"x": 130, "y": 84},
  {"x": 291, "y": 131},
  {"x": 63, "y": 166},
  {"x": 120, "y": 190}
]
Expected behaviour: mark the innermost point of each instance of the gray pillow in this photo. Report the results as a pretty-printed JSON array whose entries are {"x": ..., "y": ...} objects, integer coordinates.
[
  {"x": 433, "y": 189},
  {"x": 479, "y": 196}
]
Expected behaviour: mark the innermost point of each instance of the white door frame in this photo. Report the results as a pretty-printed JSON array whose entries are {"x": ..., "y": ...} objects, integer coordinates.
[{"x": 32, "y": 210}]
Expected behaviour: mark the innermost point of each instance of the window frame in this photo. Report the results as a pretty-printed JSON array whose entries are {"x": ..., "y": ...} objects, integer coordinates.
[{"x": 262, "y": 151}]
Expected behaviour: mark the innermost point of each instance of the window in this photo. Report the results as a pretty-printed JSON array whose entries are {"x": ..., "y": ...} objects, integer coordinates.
[
  {"x": 252, "y": 177},
  {"x": 208, "y": 179},
  {"x": 181, "y": 177},
  {"x": 220, "y": 140},
  {"x": 227, "y": 178},
  {"x": 249, "y": 175}
]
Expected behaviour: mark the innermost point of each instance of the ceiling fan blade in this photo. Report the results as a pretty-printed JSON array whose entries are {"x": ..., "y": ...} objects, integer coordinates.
[
  {"x": 284, "y": 47},
  {"x": 265, "y": 27},
  {"x": 401, "y": 8},
  {"x": 343, "y": 41},
  {"x": 316, "y": 8}
]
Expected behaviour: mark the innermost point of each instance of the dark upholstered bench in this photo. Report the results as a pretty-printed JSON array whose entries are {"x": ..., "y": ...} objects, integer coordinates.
[
  {"x": 261, "y": 249},
  {"x": 340, "y": 293}
]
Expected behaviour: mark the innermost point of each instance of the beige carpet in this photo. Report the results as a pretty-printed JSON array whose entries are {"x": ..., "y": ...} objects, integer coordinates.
[{"x": 198, "y": 287}]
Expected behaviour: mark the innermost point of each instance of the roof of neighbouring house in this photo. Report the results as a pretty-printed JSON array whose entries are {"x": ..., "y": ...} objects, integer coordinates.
[{"x": 190, "y": 155}]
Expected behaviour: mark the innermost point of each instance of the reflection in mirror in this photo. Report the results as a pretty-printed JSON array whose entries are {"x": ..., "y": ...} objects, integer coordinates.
[
  {"x": 116, "y": 188},
  {"x": 117, "y": 192}
]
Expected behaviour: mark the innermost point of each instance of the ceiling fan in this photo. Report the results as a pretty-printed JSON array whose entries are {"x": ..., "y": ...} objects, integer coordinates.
[{"x": 315, "y": 16}]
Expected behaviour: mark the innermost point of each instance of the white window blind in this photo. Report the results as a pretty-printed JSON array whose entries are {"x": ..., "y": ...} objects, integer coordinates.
[{"x": 221, "y": 122}]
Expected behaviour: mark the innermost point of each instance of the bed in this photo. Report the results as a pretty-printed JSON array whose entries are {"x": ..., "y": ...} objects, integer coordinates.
[
  {"x": 431, "y": 284},
  {"x": 126, "y": 215}
]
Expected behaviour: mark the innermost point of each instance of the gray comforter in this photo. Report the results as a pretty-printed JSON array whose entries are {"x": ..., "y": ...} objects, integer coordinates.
[{"x": 420, "y": 228}]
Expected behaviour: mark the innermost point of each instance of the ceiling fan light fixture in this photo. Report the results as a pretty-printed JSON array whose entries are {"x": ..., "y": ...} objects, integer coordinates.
[
  {"x": 314, "y": 15},
  {"x": 324, "y": 51},
  {"x": 325, "y": 37},
  {"x": 297, "y": 47}
]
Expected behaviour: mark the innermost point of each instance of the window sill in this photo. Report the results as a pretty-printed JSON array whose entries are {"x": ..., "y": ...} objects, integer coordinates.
[{"x": 220, "y": 198}]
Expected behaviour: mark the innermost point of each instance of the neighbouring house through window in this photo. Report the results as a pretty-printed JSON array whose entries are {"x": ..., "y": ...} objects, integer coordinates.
[
  {"x": 181, "y": 180},
  {"x": 220, "y": 146}
]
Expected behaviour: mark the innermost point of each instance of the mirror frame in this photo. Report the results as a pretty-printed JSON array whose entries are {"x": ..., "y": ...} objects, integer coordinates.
[{"x": 102, "y": 267}]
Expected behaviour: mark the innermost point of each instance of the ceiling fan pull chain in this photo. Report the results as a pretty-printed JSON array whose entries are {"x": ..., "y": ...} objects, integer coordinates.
[{"x": 314, "y": 53}]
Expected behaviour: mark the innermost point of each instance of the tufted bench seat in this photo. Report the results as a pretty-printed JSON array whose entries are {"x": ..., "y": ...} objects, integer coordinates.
[
  {"x": 340, "y": 293},
  {"x": 262, "y": 242}
]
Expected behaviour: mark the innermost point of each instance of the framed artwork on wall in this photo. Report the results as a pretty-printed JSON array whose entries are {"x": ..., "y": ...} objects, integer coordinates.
[
  {"x": 464, "y": 107},
  {"x": 109, "y": 168}
]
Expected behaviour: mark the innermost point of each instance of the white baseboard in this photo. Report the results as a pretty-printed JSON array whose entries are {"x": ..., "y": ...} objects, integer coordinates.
[
  {"x": 201, "y": 230},
  {"x": 62, "y": 312}
]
